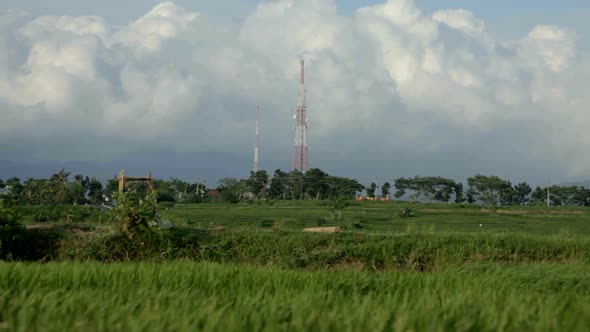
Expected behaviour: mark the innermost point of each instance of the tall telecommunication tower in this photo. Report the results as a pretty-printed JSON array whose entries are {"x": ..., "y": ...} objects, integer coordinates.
[
  {"x": 257, "y": 139},
  {"x": 300, "y": 154}
]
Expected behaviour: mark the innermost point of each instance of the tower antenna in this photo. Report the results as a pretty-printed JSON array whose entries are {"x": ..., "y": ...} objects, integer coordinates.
[
  {"x": 300, "y": 153},
  {"x": 257, "y": 148}
]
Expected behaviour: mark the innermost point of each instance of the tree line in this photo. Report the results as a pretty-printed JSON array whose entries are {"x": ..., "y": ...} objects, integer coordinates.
[
  {"x": 295, "y": 185},
  {"x": 490, "y": 190},
  {"x": 62, "y": 189}
]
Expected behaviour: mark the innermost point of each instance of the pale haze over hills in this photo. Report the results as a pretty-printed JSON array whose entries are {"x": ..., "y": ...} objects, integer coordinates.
[{"x": 395, "y": 88}]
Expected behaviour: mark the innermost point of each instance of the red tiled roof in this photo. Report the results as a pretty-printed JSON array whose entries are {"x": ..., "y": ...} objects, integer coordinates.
[{"x": 212, "y": 192}]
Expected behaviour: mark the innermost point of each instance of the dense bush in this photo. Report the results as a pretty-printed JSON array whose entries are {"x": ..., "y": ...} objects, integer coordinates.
[
  {"x": 229, "y": 196},
  {"x": 406, "y": 213},
  {"x": 193, "y": 198},
  {"x": 163, "y": 196},
  {"x": 12, "y": 233},
  {"x": 267, "y": 223},
  {"x": 60, "y": 213},
  {"x": 134, "y": 212}
]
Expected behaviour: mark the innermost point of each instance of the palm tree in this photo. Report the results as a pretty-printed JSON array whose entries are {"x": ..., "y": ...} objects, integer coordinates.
[{"x": 59, "y": 185}]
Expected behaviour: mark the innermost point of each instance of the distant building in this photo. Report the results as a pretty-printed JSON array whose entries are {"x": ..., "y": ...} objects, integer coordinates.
[{"x": 212, "y": 193}]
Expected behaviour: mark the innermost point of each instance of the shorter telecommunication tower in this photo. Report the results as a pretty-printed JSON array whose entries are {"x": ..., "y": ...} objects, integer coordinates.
[{"x": 256, "y": 149}]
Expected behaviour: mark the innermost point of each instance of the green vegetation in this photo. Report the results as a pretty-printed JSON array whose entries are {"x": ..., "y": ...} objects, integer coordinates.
[
  {"x": 315, "y": 184},
  {"x": 12, "y": 233},
  {"x": 58, "y": 213},
  {"x": 184, "y": 296},
  {"x": 384, "y": 217},
  {"x": 134, "y": 212},
  {"x": 275, "y": 245},
  {"x": 240, "y": 261},
  {"x": 430, "y": 188}
]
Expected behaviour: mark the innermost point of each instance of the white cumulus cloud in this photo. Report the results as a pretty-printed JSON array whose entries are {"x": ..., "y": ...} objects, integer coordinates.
[{"x": 389, "y": 73}]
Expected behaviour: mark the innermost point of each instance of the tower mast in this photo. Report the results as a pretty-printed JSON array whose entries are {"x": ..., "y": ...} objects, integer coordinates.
[
  {"x": 257, "y": 148},
  {"x": 300, "y": 153}
]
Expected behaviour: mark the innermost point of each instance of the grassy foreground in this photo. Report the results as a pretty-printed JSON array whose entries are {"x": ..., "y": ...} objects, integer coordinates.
[{"x": 186, "y": 296}]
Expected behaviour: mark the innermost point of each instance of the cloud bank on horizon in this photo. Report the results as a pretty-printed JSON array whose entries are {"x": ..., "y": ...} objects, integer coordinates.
[{"x": 78, "y": 88}]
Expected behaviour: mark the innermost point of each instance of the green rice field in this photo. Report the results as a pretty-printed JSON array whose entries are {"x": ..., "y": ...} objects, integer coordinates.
[
  {"x": 383, "y": 217},
  {"x": 443, "y": 269},
  {"x": 187, "y": 296}
]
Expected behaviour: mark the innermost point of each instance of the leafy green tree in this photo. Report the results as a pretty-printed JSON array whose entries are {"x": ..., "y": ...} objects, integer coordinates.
[
  {"x": 539, "y": 196},
  {"x": 315, "y": 184},
  {"x": 470, "y": 198},
  {"x": 95, "y": 191},
  {"x": 507, "y": 195},
  {"x": 76, "y": 193},
  {"x": 2, "y": 184},
  {"x": 59, "y": 187},
  {"x": 371, "y": 190},
  {"x": 491, "y": 190},
  {"x": 522, "y": 193},
  {"x": 111, "y": 188},
  {"x": 582, "y": 197},
  {"x": 196, "y": 192},
  {"x": 459, "y": 198},
  {"x": 257, "y": 182},
  {"x": 179, "y": 189},
  {"x": 231, "y": 189},
  {"x": 16, "y": 188},
  {"x": 430, "y": 188},
  {"x": 568, "y": 196},
  {"x": 295, "y": 184},
  {"x": 278, "y": 185},
  {"x": 34, "y": 192},
  {"x": 385, "y": 189},
  {"x": 342, "y": 187}
]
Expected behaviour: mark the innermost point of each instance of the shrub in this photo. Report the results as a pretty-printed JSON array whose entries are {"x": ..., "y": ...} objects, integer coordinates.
[
  {"x": 193, "y": 198},
  {"x": 266, "y": 223},
  {"x": 12, "y": 234},
  {"x": 41, "y": 215},
  {"x": 337, "y": 204},
  {"x": 320, "y": 222},
  {"x": 165, "y": 197},
  {"x": 58, "y": 213},
  {"x": 228, "y": 196},
  {"x": 134, "y": 212},
  {"x": 406, "y": 213}
]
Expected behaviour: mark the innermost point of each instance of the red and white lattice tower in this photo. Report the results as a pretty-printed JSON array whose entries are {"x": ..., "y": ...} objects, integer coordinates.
[
  {"x": 300, "y": 154},
  {"x": 257, "y": 148}
]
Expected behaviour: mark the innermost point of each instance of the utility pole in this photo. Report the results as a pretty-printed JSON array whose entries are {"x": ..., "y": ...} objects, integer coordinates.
[{"x": 548, "y": 202}]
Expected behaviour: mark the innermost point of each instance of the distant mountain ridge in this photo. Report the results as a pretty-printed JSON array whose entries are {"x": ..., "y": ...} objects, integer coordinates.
[{"x": 205, "y": 167}]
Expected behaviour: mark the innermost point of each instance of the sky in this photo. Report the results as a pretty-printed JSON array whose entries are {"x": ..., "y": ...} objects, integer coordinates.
[{"x": 395, "y": 87}]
